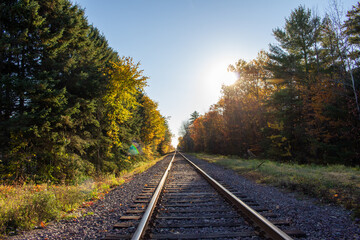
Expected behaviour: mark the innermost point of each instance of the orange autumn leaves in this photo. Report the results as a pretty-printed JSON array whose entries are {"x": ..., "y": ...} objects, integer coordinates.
[
  {"x": 234, "y": 124},
  {"x": 271, "y": 118},
  {"x": 296, "y": 102}
]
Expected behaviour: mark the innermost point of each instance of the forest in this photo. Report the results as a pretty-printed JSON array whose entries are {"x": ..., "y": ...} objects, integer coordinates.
[
  {"x": 296, "y": 102},
  {"x": 70, "y": 106}
]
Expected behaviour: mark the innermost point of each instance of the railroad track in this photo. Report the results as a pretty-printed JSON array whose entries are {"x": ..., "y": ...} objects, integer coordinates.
[{"x": 186, "y": 203}]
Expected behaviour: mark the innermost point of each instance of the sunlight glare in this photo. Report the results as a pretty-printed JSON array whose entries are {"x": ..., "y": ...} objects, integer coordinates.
[
  {"x": 212, "y": 75},
  {"x": 218, "y": 74}
]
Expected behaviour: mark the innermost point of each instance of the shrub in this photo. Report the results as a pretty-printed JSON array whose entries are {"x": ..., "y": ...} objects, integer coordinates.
[{"x": 42, "y": 207}]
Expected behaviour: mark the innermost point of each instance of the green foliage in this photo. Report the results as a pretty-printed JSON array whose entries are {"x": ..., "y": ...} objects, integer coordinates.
[
  {"x": 24, "y": 207},
  {"x": 69, "y": 105},
  {"x": 352, "y": 25},
  {"x": 29, "y": 211},
  {"x": 44, "y": 206}
]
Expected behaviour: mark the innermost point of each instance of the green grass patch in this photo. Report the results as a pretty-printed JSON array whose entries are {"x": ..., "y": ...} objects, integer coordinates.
[
  {"x": 25, "y": 206},
  {"x": 334, "y": 183}
]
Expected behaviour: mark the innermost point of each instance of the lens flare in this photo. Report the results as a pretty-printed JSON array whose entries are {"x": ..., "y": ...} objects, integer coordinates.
[{"x": 133, "y": 150}]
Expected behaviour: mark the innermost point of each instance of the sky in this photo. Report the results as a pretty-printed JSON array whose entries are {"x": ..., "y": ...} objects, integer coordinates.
[{"x": 185, "y": 46}]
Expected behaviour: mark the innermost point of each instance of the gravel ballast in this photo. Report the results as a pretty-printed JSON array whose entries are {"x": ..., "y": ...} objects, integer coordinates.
[
  {"x": 319, "y": 221},
  {"x": 106, "y": 212}
]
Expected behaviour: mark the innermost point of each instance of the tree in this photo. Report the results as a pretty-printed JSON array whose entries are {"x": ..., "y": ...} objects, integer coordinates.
[
  {"x": 197, "y": 132},
  {"x": 42, "y": 40},
  {"x": 154, "y": 125},
  {"x": 186, "y": 143},
  {"x": 292, "y": 103},
  {"x": 120, "y": 99},
  {"x": 352, "y": 27},
  {"x": 68, "y": 102},
  {"x": 194, "y": 116},
  {"x": 352, "y": 31},
  {"x": 296, "y": 61},
  {"x": 214, "y": 130},
  {"x": 165, "y": 144},
  {"x": 243, "y": 105}
]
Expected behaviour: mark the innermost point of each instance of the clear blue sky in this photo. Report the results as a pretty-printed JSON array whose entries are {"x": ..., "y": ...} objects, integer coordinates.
[{"x": 185, "y": 46}]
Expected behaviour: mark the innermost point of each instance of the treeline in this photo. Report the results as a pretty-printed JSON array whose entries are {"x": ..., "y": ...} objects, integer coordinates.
[
  {"x": 296, "y": 102},
  {"x": 70, "y": 106}
]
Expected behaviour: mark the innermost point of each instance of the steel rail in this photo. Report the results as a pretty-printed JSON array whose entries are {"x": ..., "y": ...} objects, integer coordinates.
[
  {"x": 269, "y": 229},
  {"x": 140, "y": 231}
]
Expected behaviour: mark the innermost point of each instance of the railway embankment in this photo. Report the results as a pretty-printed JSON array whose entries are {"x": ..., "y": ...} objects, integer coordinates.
[{"x": 317, "y": 220}]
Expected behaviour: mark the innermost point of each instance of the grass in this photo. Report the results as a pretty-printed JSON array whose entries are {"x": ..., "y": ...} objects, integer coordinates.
[
  {"x": 334, "y": 183},
  {"x": 25, "y": 206}
]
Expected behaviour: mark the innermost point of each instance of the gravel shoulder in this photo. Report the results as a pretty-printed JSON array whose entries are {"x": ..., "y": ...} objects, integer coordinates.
[
  {"x": 319, "y": 221},
  {"x": 105, "y": 212}
]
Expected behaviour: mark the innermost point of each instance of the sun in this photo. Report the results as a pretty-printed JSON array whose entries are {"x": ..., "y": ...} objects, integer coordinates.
[
  {"x": 211, "y": 76},
  {"x": 218, "y": 74},
  {"x": 224, "y": 76}
]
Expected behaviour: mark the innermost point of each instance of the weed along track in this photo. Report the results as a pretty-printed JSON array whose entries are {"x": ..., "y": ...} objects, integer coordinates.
[{"x": 186, "y": 203}]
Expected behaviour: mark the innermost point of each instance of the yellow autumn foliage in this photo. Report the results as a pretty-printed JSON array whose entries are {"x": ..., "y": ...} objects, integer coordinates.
[
  {"x": 125, "y": 82},
  {"x": 153, "y": 131}
]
